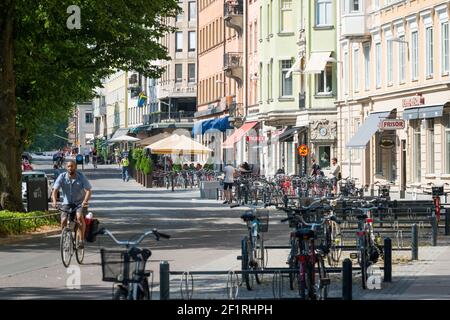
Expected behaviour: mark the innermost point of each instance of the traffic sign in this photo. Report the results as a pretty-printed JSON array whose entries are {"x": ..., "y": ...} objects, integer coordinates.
[{"x": 303, "y": 150}]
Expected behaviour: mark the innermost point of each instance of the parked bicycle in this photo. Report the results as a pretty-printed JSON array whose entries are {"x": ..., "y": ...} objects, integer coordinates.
[
  {"x": 253, "y": 254},
  {"x": 126, "y": 268},
  {"x": 436, "y": 193}
]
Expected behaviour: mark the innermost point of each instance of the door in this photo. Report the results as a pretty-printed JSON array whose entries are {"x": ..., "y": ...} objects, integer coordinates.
[{"x": 403, "y": 167}]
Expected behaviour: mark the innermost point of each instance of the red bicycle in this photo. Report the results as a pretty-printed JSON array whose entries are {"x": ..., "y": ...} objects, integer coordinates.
[{"x": 437, "y": 192}]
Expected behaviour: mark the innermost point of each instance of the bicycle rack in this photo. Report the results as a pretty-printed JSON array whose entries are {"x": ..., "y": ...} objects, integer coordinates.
[
  {"x": 396, "y": 226},
  {"x": 184, "y": 282},
  {"x": 399, "y": 237},
  {"x": 232, "y": 285},
  {"x": 277, "y": 285}
]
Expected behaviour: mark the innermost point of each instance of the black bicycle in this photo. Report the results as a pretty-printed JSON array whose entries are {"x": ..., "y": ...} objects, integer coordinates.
[
  {"x": 126, "y": 268},
  {"x": 71, "y": 238}
]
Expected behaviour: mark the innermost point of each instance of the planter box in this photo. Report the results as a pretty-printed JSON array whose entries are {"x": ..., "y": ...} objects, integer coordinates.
[{"x": 148, "y": 180}]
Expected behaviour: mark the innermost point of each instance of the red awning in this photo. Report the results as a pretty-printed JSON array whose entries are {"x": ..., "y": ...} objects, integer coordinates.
[{"x": 238, "y": 134}]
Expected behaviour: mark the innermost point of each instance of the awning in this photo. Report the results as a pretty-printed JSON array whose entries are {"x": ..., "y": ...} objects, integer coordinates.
[
  {"x": 426, "y": 112},
  {"x": 238, "y": 134},
  {"x": 317, "y": 62},
  {"x": 120, "y": 132},
  {"x": 153, "y": 139},
  {"x": 220, "y": 124},
  {"x": 367, "y": 130},
  {"x": 178, "y": 144},
  {"x": 287, "y": 135}
]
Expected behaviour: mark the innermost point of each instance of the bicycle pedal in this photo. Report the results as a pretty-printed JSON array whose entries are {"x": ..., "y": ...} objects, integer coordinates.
[{"x": 325, "y": 281}]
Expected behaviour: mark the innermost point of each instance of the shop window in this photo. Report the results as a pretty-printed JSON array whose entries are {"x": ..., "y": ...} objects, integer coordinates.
[
  {"x": 324, "y": 156},
  {"x": 430, "y": 143},
  {"x": 417, "y": 157}
]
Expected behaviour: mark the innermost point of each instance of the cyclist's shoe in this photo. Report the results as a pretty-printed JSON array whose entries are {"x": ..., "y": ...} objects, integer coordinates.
[
  {"x": 80, "y": 244},
  {"x": 225, "y": 202}
]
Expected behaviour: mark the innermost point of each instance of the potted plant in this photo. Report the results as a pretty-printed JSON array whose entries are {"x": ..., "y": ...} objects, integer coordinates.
[
  {"x": 147, "y": 169},
  {"x": 137, "y": 156}
]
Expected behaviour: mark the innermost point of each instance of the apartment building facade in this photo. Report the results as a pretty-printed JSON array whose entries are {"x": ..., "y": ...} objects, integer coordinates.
[
  {"x": 298, "y": 85},
  {"x": 395, "y": 66}
]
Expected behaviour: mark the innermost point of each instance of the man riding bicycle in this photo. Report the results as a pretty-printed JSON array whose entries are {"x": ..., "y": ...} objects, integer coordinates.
[{"x": 76, "y": 190}]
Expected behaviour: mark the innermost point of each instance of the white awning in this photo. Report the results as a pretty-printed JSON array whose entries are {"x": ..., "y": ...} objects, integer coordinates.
[{"x": 317, "y": 62}]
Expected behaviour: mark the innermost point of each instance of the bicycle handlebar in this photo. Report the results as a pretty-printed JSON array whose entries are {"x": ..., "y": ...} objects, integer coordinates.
[{"x": 153, "y": 232}]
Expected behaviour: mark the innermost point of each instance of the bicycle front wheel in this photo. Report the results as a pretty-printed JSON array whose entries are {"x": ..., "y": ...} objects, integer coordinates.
[
  {"x": 66, "y": 247},
  {"x": 246, "y": 264},
  {"x": 79, "y": 252}
]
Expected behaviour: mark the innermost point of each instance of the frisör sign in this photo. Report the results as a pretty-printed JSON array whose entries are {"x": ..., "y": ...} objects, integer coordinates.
[{"x": 392, "y": 124}]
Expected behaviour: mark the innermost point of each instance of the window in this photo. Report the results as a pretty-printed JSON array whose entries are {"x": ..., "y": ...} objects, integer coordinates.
[
  {"x": 417, "y": 159},
  {"x": 179, "y": 16},
  {"x": 354, "y": 5},
  {"x": 378, "y": 64},
  {"x": 356, "y": 70},
  {"x": 269, "y": 22},
  {"x": 179, "y": 41},
  {"x": 191, "y": 72},
  {"x": 367, "y": 66},
  {"x": 445, "y": 48},
  {"x": 192, "y": 40},
  {"x": 270, "y": 80},
  {"x": 390, "y": 70},
  {"x": 447, "y": 143},
  {"x": 414, "y": 55},
  {"x": 89, "y": 117},
  {"x": 286, "y": 16},
  {"x": 325, "y": 81},
  {"x": 178, "y": 72},
  {"x": 286, "y": 83},
  {"x": 345, "y": 66},
  {"x": 192, "y": 11},
  {"x": 324, "y": 156},
  {"x": 402, "y": 59},
  {"x": 324, "y": 12},
  {"x": 429, "y": 51},
  {"x": 430, "y": 144}
]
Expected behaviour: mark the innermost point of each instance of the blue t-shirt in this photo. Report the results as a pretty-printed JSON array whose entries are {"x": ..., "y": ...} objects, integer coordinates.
[{"x": 73, "y": 190}]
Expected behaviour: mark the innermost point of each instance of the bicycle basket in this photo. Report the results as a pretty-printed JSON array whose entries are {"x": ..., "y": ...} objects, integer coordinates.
[
  {"x": 118, "y": 266},
  {"x": 263, "y": 220}
]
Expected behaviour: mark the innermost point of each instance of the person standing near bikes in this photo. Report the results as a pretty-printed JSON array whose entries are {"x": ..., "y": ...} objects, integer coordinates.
[
  {"x": 335, "y": 174},
  {"x": 228, "y": 183},
  {"x": 76, "y": 191}
]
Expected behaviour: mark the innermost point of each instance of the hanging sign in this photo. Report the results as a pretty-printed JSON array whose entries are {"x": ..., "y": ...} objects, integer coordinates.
[{"x": 303, "y": 150}]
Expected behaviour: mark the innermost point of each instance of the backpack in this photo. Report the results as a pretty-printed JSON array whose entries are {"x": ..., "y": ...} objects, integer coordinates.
[
  {"x": 91, "y": 229},
  {"x": 339, "y": 177}
]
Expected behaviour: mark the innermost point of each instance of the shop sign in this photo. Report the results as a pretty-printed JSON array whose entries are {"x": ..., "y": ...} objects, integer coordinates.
[
  {"x": 415, "y": 101},
  {"x": 255, "y": 138},
  {"x": 387, "y": 143},
  {"x": 303, "y": 150},
  {"x": 392, "y": 124}
]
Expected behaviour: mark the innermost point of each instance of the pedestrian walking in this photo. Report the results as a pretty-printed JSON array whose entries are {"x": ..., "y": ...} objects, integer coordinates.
[
  {"x": 94, "y": 157},
  {"x": 228, "y": 181},
  {"x": 86, "y": 156},
  {"x": 117, "y": 155},
  {"x": 125, "y": 163}
]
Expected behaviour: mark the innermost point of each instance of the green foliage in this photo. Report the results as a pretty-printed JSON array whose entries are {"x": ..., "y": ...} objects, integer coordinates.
[
  {"x": 137, "y": 155},
  {"x": 9, "y": 227},
  {"x": 208, "y": 166},
  {"x": 56, "y": 67},
  {"x": 176, "y": 167},
  {"x": 45, "y": 139},
  {"x": 146, "y": 164}
]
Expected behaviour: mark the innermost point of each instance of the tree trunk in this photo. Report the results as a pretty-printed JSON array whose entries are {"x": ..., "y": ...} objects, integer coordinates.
[{"x": 10, "y": 170}]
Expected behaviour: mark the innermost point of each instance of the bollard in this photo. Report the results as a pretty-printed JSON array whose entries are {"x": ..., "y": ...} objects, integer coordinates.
[
  {"x": 447, "y": 221},
  {"x": 387, "y": 260},
  {"x": 434, "y": 231},
  {"x": 415, "y": 242},
  {"x": 347, "y": 279},
  {"x": 164, "y": 280}
]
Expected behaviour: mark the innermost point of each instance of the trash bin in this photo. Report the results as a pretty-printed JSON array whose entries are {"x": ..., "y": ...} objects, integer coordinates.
[
  {"x": 208, "y": 189},
  {"x": 37, "y": 194}
]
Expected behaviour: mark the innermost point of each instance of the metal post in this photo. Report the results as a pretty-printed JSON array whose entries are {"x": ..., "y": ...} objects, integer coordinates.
[
  {"x": 415, "y": 242},
  {"x": 347, "y": 279},
  {"x": 434, "y": 231},
  {"x": 387, "y": 260},
  {"x": 164, "y": 281},
  {"x": 447, "y": 221}
]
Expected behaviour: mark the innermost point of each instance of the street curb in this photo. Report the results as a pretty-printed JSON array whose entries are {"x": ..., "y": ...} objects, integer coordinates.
[{"x": 24, "y": 237}]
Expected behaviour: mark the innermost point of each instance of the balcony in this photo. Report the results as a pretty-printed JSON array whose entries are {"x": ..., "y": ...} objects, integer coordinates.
[
  {"x": 164, "y": 117},
  {"x": 233, "y": 66},
  {"x": 355, "y": 26},
  {"x": 237, "y": 114},
  {"x": 234, "y": 15}
]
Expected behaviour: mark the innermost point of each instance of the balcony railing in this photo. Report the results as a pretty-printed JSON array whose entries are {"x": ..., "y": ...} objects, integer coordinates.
[
  {"x": 236, "y": 110},
  {"x": 233, "y": 8},
  {"x": 233, "y": 60},
  {"x": 177, "y": 116}
]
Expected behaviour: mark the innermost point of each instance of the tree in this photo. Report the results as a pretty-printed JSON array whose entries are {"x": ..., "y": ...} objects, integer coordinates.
[{"x": 46, "y": 67}]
